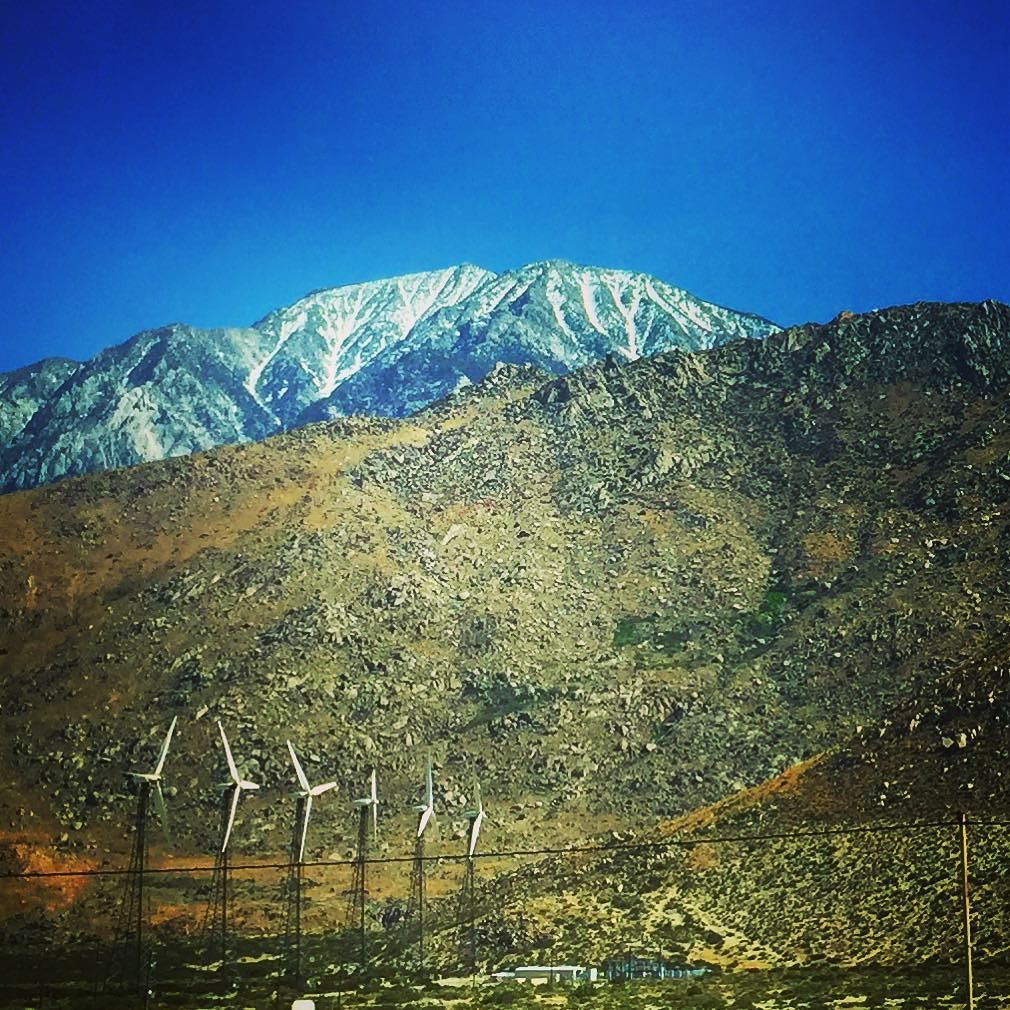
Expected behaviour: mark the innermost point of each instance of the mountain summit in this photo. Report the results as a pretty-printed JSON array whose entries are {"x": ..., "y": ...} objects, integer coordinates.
[{"x": 387, "y": 347}]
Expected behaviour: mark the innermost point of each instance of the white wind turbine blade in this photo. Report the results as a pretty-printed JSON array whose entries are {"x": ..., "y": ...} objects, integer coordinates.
[
  {"x": 425, "y": 817},
  {"x": 475, "y": 833},
  {"x": 324, "y": 788},
  {"x": 375, "y": 806},
  {"x": 231, "y": 816},
  {"x": 159, "y": 806},
  {"x": 232, "y": 769},
  {"x": 426, "y": 809},
  {"x": 302, "y": 780},
  {"x": 371, "y": 800},
  {"x": 305, "y": 827},
  {"x": 476, "y": 820},
  {"x": 164, "y": 747}
]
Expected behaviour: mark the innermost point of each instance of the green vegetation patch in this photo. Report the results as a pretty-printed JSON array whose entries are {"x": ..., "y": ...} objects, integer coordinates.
[
  {"x": 772, "y": 613},
  {"x": 661, "y": 636}
]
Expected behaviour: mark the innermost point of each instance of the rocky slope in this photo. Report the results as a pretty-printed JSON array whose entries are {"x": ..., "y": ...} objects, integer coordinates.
[
  {"x": 617, "y": 596},
  {"x": 384, "y": 347}
]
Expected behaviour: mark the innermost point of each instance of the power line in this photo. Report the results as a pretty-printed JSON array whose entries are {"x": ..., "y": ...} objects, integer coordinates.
[{"x": 614, "y": 847}]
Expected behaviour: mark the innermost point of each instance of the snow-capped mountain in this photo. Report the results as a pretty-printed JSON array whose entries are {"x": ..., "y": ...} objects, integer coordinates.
[
  {"x": 555, "y": 315},
  {"x": 383, "y": 347},
  {"x": 321, "y": 341}
]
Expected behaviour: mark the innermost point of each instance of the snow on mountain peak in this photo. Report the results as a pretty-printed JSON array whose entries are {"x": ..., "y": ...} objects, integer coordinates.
[
  {"x": 329, "y": 334},
  {"x": 389, "y": 347}
]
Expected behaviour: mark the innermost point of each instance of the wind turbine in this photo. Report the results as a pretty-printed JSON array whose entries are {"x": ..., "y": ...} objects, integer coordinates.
[
  {"x": 358, "y": 891},
  {"x": 221, "y": 894},
  {"x": 425, "y": 813},
  {"x": 307, "y": 794},
  {"x": 149, "y": 779},
  {"x": 133, "y": 908},
  {"x": 241, "y": 785},
  {"x": 371, "y": 801}
]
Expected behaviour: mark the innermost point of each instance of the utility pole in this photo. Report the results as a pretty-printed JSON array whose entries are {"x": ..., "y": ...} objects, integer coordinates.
[{"x": 969, "y": 978}]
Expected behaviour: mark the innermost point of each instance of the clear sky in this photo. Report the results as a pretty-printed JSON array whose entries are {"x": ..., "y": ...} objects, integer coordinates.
[{"x": 206, "y": 162}]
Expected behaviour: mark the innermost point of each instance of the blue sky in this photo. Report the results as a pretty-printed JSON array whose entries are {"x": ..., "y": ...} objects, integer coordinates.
[{"x": 208, "y": 162}]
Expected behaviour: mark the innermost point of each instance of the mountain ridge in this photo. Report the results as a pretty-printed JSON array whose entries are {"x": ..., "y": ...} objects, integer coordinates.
[{"x": 389, "y": 346}]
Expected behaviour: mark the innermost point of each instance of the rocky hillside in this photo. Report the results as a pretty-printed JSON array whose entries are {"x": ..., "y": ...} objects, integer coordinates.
[
  {"x": 386, "y": 347},
  {"x": 616, "y": 596}
]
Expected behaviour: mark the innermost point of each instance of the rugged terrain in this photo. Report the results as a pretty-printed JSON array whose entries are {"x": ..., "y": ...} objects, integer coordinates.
[
  {"x": 386, "y": 347},
  {"x": 746, "y": 590}
]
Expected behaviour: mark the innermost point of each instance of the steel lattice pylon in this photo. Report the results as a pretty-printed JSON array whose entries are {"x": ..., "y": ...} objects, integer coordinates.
[
  {"x": 292, "y": 888},
  {"x": 416, "y": 905},
  {"x": 129, "y": 965},
  {"x": 359, "y": 890}
]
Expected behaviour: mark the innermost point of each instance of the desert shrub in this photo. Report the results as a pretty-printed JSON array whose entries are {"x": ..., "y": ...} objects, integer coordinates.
[{"x": 503, "y": 994}]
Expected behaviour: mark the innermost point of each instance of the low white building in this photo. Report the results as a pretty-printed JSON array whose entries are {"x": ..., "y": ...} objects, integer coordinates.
[{"x": 547, "y": 973}]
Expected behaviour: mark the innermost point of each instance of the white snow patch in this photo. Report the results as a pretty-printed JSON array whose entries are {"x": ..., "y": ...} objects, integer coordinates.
[
  {"x": 508, "y": 289},
  {"x": 354, "y": 365},
  {"x": 588, "y": 293},
  {"x": 337, "y": 333},
  {"x": 556, "y": 300},
  {"x": 666, "y": 304},
  {"x": 398, "y": 304},
  {"x": 627, "y": 313},
  {"x": 418, "y": 303},
  {"x": 288, "y": 326}
]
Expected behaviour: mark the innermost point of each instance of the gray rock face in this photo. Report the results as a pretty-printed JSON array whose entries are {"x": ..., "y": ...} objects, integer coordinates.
[
  {"x": 163, "y": 393},
  {"x": 387, "y": 347},
  {"x": 23, "y": 391}
]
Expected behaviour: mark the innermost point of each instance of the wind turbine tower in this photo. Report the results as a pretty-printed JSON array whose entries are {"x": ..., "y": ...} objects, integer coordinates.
[
  {"x": 133, "y": 967},
  {"x": 303, "y": 811},
  {"x": 232, "y": 794},
  {"x": 368, "y": 809},
  {"x": 476, "y": 819},
  {"x": 425, "y": 814}
]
